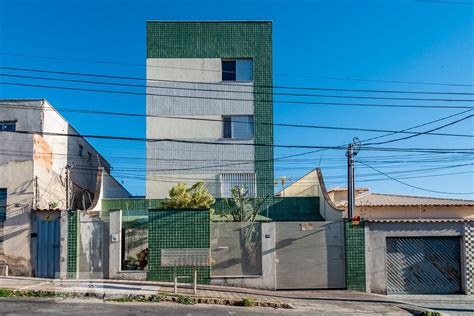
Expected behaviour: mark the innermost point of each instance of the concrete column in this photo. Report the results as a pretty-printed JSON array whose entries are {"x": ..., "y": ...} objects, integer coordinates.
[
  {"x": 268, "y": 256},
  {"x": 63, "y": 224},
  {"x": 469, "y": 257},
  {"x": 115, "y": 242}
]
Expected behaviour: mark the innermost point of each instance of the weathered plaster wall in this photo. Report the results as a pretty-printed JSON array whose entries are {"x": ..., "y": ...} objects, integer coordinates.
[
  {"x": 416, "y": 212},
  {"x": 16, "y": 177}
]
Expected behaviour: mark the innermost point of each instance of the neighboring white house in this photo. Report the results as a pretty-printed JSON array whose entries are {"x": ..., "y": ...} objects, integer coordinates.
[{"x": 33, "y": 160}]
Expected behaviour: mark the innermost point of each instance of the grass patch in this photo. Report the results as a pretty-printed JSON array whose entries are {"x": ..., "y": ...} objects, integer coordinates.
[
  {"x": 6, "y": 293},
  {"x": 137, "y": 298},
  {"x": 248, "y": 302},
  {"x": 186, "y": 300},
  {"x": 432, "y": 314}
]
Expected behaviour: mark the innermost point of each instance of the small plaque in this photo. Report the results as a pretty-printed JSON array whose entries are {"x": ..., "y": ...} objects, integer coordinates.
[{"x": 307, "y": 226}]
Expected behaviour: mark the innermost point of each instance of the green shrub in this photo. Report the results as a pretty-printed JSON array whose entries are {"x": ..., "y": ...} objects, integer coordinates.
[
  {"x": 185, "y": 300},
  {"x": 248, "y": 302},
  {"x": 6, "y": 293}
]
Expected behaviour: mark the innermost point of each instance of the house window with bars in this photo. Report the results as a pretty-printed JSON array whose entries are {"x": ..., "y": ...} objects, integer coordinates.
[{"x": 230, "y": 180}]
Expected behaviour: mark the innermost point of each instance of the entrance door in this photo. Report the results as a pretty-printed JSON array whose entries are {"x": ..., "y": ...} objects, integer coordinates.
[
  {"x": 47, "y": 264},
  {"x": 423, "y": 265}
]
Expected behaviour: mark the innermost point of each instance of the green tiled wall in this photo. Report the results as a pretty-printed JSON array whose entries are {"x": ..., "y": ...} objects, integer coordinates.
[
  {"x": 279, "y": 208},
  {"x": 355, "y": 256},
  {"x": 287, "y": 209},
  {"x": 228, "y": 40},
  {"x": 72, "y": 244},
  {"x": 177, "y": 228}
]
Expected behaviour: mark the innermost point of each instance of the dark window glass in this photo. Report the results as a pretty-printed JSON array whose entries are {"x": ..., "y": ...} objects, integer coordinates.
[
  {"x": 3, "y": 204},
  {"x": 81, "y": 150},
  {"x": 227, "y": 127},
  {"x": 229, "y": 72}
]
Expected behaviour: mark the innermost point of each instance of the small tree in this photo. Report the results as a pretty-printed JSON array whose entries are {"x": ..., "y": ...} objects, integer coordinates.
[{"x": 183, "y": 197}]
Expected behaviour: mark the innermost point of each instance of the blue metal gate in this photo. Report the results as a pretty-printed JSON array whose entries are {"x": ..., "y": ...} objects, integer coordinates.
[
  {"x": 47, "y": 263},
  {"x": 423, "y": 265}
]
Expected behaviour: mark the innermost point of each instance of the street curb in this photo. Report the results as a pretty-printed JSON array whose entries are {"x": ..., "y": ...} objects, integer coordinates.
[{"x": 164, "y": 297}]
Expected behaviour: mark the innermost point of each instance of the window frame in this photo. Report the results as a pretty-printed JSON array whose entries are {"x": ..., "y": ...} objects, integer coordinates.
[
  {"x": 236, "y": 74},
  {"x": 228, "y": 118}
]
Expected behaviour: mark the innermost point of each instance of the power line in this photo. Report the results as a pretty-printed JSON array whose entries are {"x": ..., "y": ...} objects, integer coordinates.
[
  {"x": 184, "y": 141},
  {"x": 128, "y": 114},
  {"x": 421, "y": 133},
  {"x": 413, "y": 186},
  {"x": 246, "y": 100},
  {"x": 235, "y": 99},
  {"x": 420, "y": 125},
  {"x": 218, "y": 84},
  {"x": 216, "y": 70}
]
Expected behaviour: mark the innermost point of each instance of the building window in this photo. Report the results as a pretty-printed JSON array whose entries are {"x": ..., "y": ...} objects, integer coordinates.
[
  {"x": 89, "y": 156},
  {"x": 230, "y": 180},
  {"x": 8, "y": 126},
  {"x": 237, "y": 127},
  {"x": 3, "y": 204},
  {"x": 81, "y": 150},
  {"x": 237, "y": 70}
]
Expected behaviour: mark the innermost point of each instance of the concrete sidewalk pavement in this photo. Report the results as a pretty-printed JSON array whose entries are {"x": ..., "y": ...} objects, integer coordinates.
[{"x": 323, "y": 302}]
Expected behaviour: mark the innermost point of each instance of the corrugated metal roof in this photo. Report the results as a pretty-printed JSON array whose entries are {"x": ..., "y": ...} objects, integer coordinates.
[{"x": 377, "y": 199}]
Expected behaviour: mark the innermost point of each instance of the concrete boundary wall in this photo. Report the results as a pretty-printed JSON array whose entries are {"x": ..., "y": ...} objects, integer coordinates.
[{"x": 377, "y": 232}]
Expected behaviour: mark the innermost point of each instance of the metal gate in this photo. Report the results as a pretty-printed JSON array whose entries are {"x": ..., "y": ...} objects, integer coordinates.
[
  {"x": 47, "y": 263},
  {"x": 310, "y": 255},
  {"x": 423, "y": 265}
]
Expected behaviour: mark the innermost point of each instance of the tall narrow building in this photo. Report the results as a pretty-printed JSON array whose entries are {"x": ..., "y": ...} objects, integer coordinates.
[{"x": 210, "y": 106}]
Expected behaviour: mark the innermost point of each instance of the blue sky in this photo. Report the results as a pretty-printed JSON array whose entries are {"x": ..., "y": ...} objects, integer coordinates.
[{"x": 313, "y": 41}]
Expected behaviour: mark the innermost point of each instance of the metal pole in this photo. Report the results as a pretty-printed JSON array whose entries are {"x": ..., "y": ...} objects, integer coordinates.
[
  {"x": 350, "y": 182},
  {"x": 67, "y": 187},
  {"x": 195, "y": 279}
]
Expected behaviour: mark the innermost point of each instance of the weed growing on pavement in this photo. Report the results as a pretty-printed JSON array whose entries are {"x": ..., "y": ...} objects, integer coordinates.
[
  {"x": 182, "y": 299},
  {"x": 248, "y": 302},
  {"x": 432, "y": 314},
  {"x": 6, "y": 293},
  {"x": 137, "y": 298}
]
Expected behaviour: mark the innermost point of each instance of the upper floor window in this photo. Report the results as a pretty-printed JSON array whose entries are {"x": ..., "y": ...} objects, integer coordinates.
[
  {"x": 8, "y": 126},
  {"x": 237, "y": 127},
  {"x": 3, "y": 204},
  {"x": 81, "y": 150},
  {"x": 237, "y": 70}
]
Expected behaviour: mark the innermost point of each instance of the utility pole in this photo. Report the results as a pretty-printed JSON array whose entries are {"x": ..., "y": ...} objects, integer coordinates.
[
  {"x": 68, "y": 177},
  {"x": 352, "y": 150}
]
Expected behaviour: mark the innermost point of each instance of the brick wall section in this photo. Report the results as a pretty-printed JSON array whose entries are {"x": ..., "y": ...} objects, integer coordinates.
[
  {"x": 228, "y": 40},
  {"x": 72, "y": 244},
  {"x": 469, "y": 255},
  {"x": 355, "y": 256},
  {"x": 177, "y": 228}
]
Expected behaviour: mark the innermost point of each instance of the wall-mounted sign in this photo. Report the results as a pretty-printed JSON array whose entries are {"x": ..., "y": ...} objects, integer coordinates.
[{"x": 307, "y": 226}]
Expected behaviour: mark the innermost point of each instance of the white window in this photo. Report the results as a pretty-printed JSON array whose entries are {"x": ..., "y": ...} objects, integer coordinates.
[
  {"x": 237, "y": 127},
  {"x": 230, "y": 180},
  {"x": 237, "y": 70}
]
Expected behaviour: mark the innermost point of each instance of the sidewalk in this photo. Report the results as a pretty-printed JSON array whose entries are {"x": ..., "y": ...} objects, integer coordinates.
[{"x": 320, "y": 302}]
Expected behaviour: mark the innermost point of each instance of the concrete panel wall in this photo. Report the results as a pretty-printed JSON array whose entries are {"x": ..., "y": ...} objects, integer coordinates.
[
  {"x": 376, "y": 234},
  {"x": 310, "y": 255},
  {"x": 184, "y": 69},
  {"x": 268, "y": 278}
]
